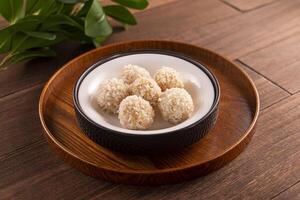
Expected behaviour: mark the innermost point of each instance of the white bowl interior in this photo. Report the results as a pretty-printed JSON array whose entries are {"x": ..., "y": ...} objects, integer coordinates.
[{"x": 196, "y": 82}]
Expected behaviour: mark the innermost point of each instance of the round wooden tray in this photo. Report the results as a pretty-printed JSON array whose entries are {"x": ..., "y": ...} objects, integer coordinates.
[{"x": 239, "y": 109}]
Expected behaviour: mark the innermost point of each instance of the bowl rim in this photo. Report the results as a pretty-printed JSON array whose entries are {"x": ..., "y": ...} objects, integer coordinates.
[{"x": 198, "y": 64}]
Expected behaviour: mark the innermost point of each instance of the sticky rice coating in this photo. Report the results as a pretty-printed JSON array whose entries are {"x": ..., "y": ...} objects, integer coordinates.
[
  {"x": 167, "y": 78},
  {"x": 132, "y": 72},
  {"x": 136, "y": 113},
  {"x": 175, "y": 105},
  {"x": 110, "y": 94},
  {"x": 146, "y": 88}
]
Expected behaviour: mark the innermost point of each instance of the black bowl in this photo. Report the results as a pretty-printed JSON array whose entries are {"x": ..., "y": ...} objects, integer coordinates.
[{"x": 153, "y": 141}]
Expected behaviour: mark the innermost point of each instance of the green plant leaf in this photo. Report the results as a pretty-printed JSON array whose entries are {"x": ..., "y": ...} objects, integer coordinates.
[
  {"x": 5, "y": 44},
  {"x": 96, "y": 23},
  {"x": 56, "y": 20},
  {"x": 41, "y": 35},
  {"x": 72, "y": 1},
  {"x": 26, "y": 55},
  {"x": 5, "y": 40},
  {"x": 66, "y": 9},
  {"x": 72, "y": 33},
  {"x": 24, "y": 24},
  {"x": 99, "y": 40},
  {"x": 7, "y": 34},
  {"x": 12, "y": 10},
  {"x": 120, "y": 14},
  {"x": 36, "y": 25},
  {"x": 84, "y": 10},
  {"x": 52, "y": 30},
  {"x": 43, "y": 7},
  {"x": 29, "y": 25},
  {"x": 21, "y": 42},
  {"x": 52, "y": 8},
  {"x": 136, "y": 4},
  {"x": 31, "y": 6}
]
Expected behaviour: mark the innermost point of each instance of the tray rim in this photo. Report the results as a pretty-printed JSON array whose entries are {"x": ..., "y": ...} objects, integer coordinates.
[{"x": 248, "y": 133}]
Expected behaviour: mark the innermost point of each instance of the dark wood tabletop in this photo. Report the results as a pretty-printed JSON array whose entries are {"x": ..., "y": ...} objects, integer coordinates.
[{"x": 261, "y": 36}]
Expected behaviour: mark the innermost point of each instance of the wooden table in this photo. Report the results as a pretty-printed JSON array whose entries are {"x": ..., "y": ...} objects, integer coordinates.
[{"x": 262, "y": 36}]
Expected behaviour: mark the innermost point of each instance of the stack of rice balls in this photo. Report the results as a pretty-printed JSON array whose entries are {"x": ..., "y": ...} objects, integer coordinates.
[{"x": 135, "y": 97}]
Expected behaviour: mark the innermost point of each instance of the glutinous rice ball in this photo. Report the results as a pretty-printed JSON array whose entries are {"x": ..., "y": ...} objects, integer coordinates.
[
  {"x": 175, "y": 105},
  {"x": 167, "y": 78},
  {"x": 110, "y": 94},
  {"x": 146, "y": 88},
  {"x": 132, "y": 72},
  {"x": 136, "y": 113}
]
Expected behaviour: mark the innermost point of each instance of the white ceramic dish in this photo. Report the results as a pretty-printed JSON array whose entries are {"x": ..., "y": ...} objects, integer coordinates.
[{"x": 197, "y": 82}]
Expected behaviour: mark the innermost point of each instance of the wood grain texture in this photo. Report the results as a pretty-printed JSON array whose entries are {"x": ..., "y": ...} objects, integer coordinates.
[
  {"x": 152, "y": 4},
  {"x": 168, "y": 21},
  {"x": 24, "y": 111},
  {"x": 229, "y": 32},
  {"x": 246, "y": 5},
  {"x": 293, "y": 193},
  {"x": 19, "y": 121},
  {"x": 210, "y": 23},
  {"x": 269, "y": 165},
  {"x": 211, "y": 152},
  {"x": 24, "y": 75},
  {"x": 3, "y": 23},
  {"x": 280, "y": 62},
  {"x": 241, "y": 34},
  {"x": 269, "y": 92},
  {"x": 39, "y": 174}
]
